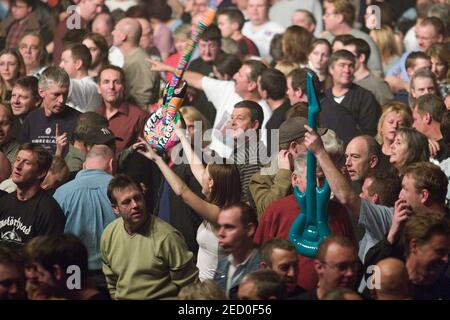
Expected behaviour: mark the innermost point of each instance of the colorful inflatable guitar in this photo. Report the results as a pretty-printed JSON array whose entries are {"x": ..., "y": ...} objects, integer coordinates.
[
  {"x": 311, "y": 226},
  {"x": 159, "y": 128}
]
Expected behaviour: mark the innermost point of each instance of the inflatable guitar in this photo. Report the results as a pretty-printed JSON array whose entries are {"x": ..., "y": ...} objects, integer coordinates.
[
  {"x": 311, "y": 226},
  {"x": 159, "y": 128}
]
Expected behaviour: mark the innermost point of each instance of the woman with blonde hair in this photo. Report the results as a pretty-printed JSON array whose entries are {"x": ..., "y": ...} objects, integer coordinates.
[
  {"x": 385, "y": 40},
  {"x": 191, "y": 115},
  {"x": 394, "y": 116},
  {"x": 12, "y": 68}
]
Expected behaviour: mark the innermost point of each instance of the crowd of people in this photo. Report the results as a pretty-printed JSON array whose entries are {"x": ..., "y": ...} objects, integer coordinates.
[{"x": 90, "y": 210}]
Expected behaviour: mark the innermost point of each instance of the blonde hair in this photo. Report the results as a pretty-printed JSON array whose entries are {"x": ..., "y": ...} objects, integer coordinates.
[
  {"x": 395, "y": 107},
  {"x": 192, "y": 114},
  {"x": 286, "y": 67},
  {"x": 385, "y": 41},
  {"x": 206, "y": 290}
]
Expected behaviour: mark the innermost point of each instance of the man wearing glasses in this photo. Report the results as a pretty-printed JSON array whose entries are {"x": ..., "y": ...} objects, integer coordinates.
[{"x": 337, "y": 266}]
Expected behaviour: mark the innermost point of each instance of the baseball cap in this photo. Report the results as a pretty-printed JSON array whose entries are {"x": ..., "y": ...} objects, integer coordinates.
[
  {"x": 294, "y": 128},
  {"x": 100, "y": 136}
]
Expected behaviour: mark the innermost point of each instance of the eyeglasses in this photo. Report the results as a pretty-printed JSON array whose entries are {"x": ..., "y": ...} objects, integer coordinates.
[
  {"x": 327, "y": 14},
  {"x": 344, "y": 266}
]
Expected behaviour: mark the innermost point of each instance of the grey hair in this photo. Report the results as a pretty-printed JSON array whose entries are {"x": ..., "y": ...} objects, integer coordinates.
[
  {"x": 333, "y": 146},
  {"x": 422, "y": 73},
  {"x": 299, "y": 164},
  {"x": 54, "y": 75}
]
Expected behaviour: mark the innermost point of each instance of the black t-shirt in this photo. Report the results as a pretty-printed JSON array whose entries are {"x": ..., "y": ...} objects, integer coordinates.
[
  {"x": 38, "y": 128},
  {"x": 20, "y": 221}
]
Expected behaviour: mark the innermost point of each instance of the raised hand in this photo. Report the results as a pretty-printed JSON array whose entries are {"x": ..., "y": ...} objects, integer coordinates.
[
  {"x": 146, "y": 150},
  {"x": 61, "y": 141},
  {"x": 402, "y": 211},
  {"x": 159, "y": 66},
  {"x": 284, "y": 160},
  {"x": 312, "y": 141}
]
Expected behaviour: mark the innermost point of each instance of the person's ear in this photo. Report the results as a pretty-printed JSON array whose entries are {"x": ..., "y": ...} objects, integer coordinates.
[
  {"x": 412, "y": 246},
  {"x": 115, "y": 208},
  {"x": 235, "y": 26},
  {"x": 251, "y": 230},
  {"x": 376, "y": 198},
  {"x": 111, "y": 165},
  {"x": 58, "y": 272},
  {"x": 252, "y": 86},
  {"x": 41, "y": 92},
  {"x": 373, "y": 161},
  {"x": 263, "y": 265},
  {"x": 318, "y": 266},
  {"x": 255, "y": 125},
  {"x": 78, "y": 64},
  {"x": 427, "y": 118},
  {"x": 424, "y": 196},
  {"x": 340, "y": 17}
]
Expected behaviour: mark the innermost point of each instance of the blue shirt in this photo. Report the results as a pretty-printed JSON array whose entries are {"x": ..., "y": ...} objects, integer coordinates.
[
  {"x": 87, "y": 209},
  {"x": 399, "y": 67}
]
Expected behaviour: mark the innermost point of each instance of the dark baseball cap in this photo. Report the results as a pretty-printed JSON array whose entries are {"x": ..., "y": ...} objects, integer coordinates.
[
  {"x": 294, "y": 128},
  {"x": 100, "y": 135}
]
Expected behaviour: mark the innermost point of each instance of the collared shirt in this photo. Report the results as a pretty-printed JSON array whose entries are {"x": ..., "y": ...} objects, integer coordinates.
[
  {"x": 235, "y": 271},
  {"x": 127, "y": 123},
  {"x": 87, "y": 209}
]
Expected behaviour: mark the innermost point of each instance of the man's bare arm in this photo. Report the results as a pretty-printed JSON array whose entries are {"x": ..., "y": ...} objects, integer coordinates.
[
  {"x": 339, "y": 185},
  {"x": 194, "y": 79}
]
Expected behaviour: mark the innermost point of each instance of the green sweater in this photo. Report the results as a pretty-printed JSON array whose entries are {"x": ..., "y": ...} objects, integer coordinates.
[{"x": 153, "y": 263}]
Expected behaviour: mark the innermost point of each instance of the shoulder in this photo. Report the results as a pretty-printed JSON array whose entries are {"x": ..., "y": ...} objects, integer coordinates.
[
  {"x": 37, "y": 113},
  {"x": 111, "y": 229},
  {"x": 278, "y": 207}
]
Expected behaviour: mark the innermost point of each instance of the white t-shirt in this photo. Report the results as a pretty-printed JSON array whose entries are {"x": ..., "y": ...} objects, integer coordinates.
[
  {"x": 262, "y": 36},
  {"x": 410, "y": 41},
  {"x": 123, "y": 5},
  {"x": 209, "y": 252},
  {"x": 223, "y": 96},
  {"x": 83, "y": 95},
  {"x": 116, "y": 57},
  {"x": 282, "y": 11}
]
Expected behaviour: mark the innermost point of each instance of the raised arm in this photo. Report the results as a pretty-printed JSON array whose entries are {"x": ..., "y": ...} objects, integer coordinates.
[
  {"x": 195, "y": 162},
  {"x": 339, "y": 185},
  {"x": 194, "y": 79},
  {"x": 207, "y": 210}
]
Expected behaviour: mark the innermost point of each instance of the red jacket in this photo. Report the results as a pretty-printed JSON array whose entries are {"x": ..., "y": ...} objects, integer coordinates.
[{"x": 276, "y": 222}]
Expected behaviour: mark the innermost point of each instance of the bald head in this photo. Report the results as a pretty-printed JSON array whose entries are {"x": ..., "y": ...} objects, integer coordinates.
[
  {"x": 127, "y": 30},
  {"x": 394, "y": 280},
  {"x": 100, "y": 157},
  {"x": 103, "y": 24},
  {"x": 146, "y": 40},
  {"x": 361, "y": 155}
]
